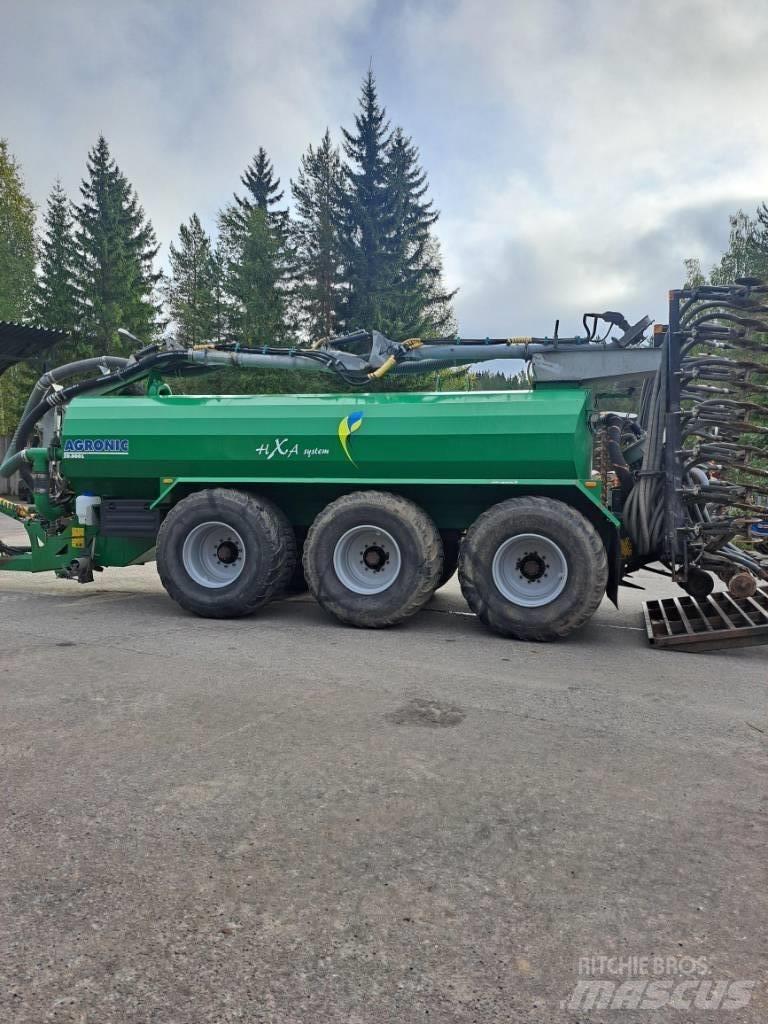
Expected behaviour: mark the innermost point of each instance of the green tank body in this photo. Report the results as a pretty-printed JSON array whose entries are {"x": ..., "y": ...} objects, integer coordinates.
[
  {"x": 370, "y": 501},
  {"x": 126, "y": 446},
  {"x": 131, "y": 460}
]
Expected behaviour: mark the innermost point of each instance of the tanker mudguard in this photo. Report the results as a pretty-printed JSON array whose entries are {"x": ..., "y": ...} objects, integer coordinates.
[{"x": 128, "y": 517}]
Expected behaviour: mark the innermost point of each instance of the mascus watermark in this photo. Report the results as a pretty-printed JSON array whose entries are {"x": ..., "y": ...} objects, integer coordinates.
[{"x": 654, "y": 983}]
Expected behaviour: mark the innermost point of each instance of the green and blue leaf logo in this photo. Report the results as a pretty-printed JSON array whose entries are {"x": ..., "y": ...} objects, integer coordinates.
[{"x": 347, "y": 427}]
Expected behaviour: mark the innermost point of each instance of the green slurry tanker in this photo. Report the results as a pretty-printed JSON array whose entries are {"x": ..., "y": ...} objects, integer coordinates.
[{"x": 545, "y": 499}]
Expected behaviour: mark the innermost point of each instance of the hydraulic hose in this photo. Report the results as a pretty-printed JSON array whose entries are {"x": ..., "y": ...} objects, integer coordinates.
[
  {"x": 643, "y": 511},
  {"x": 613, "y": 426},
  {"x": 123, "y": 372},
  {"x": 65, "y": 372},
  {"x": 16, "y": 462},
  {"x": 39, "y": 394},
  {"x": 722, "y": 418}
]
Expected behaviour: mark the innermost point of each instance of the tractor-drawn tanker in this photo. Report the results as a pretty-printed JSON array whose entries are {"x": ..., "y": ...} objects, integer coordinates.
[{"x": 373, "y": 499}]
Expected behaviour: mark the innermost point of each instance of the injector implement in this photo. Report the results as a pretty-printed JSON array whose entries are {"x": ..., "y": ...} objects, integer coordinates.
[{"x": 546, "y": 499}]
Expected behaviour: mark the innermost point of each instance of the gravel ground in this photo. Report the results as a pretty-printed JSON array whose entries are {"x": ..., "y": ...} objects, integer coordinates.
[{"x": 284, "y": 820}]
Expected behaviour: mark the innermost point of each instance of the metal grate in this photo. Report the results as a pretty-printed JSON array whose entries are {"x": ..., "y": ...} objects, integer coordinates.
[{"x": 682, "y": 623}]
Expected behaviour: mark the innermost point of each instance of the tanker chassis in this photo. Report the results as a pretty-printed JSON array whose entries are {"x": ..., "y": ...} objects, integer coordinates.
[{"x": 372, "y": 500}]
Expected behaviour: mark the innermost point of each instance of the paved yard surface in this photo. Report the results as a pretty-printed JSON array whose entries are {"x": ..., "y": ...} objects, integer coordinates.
[{"x": 284, "y": 820}]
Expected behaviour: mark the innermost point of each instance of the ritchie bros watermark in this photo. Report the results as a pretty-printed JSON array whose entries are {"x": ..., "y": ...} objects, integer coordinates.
[{"x": 654, "y": 983}]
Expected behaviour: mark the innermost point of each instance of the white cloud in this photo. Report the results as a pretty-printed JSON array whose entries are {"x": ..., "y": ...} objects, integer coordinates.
[
  {"x": 579, "y": 150},
  {"x": 647, "y": 123},
  {"x": 185, "y": 92}
]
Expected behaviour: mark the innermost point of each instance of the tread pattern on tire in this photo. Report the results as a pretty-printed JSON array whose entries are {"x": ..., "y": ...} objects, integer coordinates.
[
  {"x": 288, "y": 547},
  {"x": 296, "y": 583},
  {"x": 427, "y": 576},
  {"x": 475, "y": 590},
  {"x": 243, "y": 507},
  {"x": 451, "y": 547}
]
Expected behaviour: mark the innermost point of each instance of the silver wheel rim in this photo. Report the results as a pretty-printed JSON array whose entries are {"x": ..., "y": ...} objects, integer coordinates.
[
  {"x": 529, "y": 570},
  {"x": 213, "y": 555},
  {"x": 367, "y": 559}
]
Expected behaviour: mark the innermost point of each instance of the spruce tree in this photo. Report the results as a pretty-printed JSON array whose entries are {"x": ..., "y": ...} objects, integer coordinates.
[
  {"x": 17, "y": 240},
  {"x": 116, "y": 249},
  {"x": 391, "y": 258},
  {"x": 368, "y": 215},
  {"x": 252, "y": 282},
  {"x": 193, "y": 285},
  {"x": 219, "y": 298},
  {"x": 17, "y": 277},
  {"x": 318, "y": 215},
  {"x": 417, "y": 303},
  {"x": 263, "y": 193},
  {"x": 437, "y": 315},
  {"x": 253, "y": 238},
  {"x": 56, "y": 294}
]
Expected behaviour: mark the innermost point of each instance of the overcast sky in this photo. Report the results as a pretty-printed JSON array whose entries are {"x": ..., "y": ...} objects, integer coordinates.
[{"x": 578, "y": 151}]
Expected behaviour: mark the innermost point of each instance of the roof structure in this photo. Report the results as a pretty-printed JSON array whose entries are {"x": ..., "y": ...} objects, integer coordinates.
[{"x": 25, "y": 341}]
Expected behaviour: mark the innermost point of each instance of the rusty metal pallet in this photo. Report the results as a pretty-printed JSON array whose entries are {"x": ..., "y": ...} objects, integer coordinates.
[{"x": 684, "y": 624}]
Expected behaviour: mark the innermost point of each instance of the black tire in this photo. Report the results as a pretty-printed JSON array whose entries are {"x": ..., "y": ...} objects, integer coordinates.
[
  {"x": 562, "y": 529},
  {"x": 420, "y": 558},
  {"x": 451, "y": 544},
  {"x": 267, "y": 539},
  {"x": 297, "y": 584},
  {"x": 699, "y": 584}
]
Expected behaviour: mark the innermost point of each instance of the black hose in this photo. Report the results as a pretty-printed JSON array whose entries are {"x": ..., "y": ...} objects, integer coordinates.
[
  {"x": 642, "y": 516},
  {"x": 39, "y": 392},
  {"x": 119, "y": 377},
  {"x": 613, "y": 428}
]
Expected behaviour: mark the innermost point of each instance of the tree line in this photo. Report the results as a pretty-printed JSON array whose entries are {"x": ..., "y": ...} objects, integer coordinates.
[
  {"x": 745, "y": 256},
  {"x": 357, "y": 249}
]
